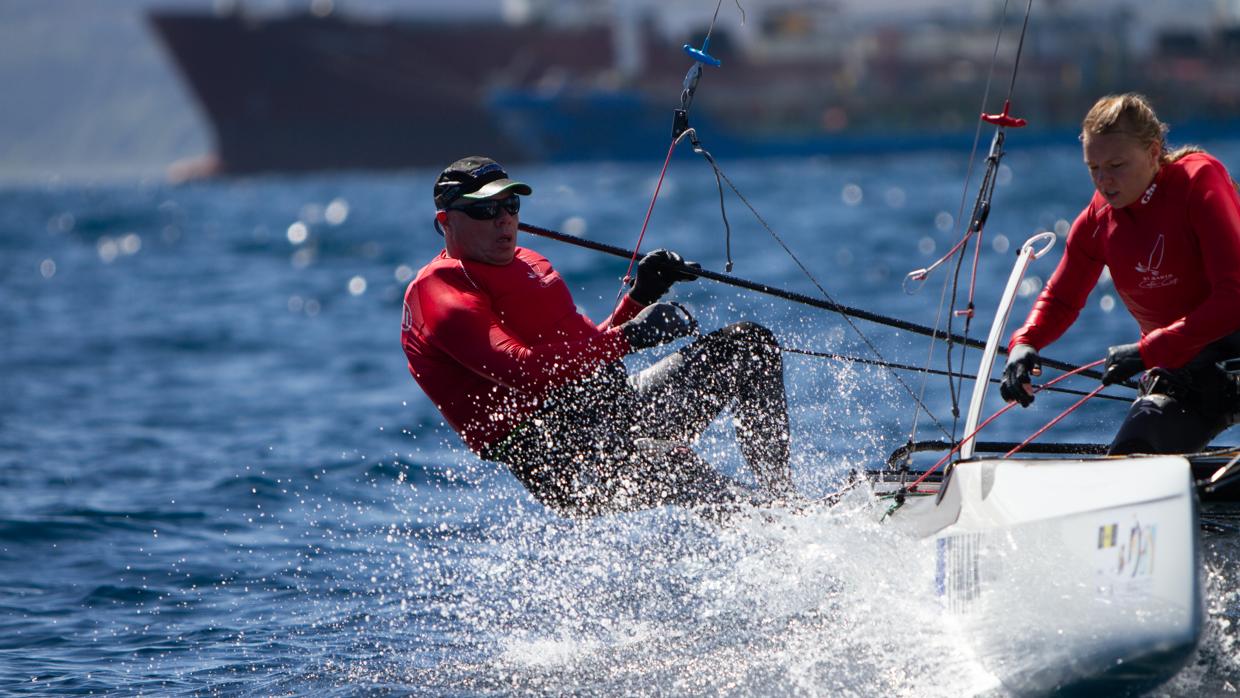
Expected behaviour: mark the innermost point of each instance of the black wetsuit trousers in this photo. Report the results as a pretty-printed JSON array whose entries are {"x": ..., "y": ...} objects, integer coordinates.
[
  {"x": 615, "y": 442},
  {"x": 1182, "y": 410}
]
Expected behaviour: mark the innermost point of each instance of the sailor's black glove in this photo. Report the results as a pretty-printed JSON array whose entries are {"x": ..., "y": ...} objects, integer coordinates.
[
  {"x": 1123, "y": 362},
  {"x": 656, "y": 273},
  {"x": 658, "y": 323},
  {"x": 1023, "y": 362}
]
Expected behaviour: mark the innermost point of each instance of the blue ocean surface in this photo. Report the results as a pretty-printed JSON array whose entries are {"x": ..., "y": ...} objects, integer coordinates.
[{"x": 217, "y": 476}]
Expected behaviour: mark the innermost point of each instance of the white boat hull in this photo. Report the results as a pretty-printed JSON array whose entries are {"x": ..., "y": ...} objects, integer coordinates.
[{"x": 1068, "y": 575}]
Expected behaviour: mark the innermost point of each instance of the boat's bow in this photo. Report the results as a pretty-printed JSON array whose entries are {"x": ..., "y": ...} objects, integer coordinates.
[{"x": 1069, "y": 575}]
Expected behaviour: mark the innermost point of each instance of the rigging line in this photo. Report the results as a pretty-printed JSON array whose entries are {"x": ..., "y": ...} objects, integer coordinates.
[
  {"x": 723, "y": 212},
  {"x": 795, "y": 297},
  {"x": 628, "y": 273},
  {"x": 955, "y": 387},
  {"x": 923, "y": 369},
  {"x": 985, "y": 197},
  {"x": 711, "y": 29},
  {"x": 980, "y": 211},
  {"x": 960, "y": 245},
  {"x": 982, "y": 206},
  {"x": 809, "y": 275},
  {"x": 686, "y": 98},
  {"x": 922, "y": 274},
  {"x": 1054, "y": 421},
  {"x": 1002, "y": 410},
  {"x": 1020, "y": 47},
  {"x": 938, "y": 316}
]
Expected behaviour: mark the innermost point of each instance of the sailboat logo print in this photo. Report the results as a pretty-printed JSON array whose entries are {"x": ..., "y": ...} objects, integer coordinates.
[{"x": 1154, "y": 278}]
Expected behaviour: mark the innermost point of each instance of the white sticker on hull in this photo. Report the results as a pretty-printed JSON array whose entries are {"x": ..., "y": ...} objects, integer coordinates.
[
  {"x": 1126, "y": 555},
  {"x": 957, "y": 577}
]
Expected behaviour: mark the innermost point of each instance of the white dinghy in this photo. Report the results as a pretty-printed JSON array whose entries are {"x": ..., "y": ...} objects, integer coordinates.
[
  {"x": 1065, "y": 575},
  {"x": 1068, "y": 575}
]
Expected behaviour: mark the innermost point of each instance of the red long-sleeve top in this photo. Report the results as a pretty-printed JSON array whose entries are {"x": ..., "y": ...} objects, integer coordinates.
[
  {"x": 486, "y": 343},
  {"x": 1174, "y": 256}
]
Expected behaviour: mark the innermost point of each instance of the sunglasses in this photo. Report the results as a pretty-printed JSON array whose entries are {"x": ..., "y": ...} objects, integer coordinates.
[{"x": 490, "y": 208}]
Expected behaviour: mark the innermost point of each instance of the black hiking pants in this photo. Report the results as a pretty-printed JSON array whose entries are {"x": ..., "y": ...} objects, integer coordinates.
[
  {"x": 615, "y": 442},
  {"x": 1182, "y": 410}
]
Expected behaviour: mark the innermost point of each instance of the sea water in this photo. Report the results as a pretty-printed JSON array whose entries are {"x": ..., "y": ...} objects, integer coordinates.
[{"x": 218, "y": 478}]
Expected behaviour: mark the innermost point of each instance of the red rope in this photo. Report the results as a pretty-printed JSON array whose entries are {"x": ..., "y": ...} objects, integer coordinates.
[
  {"x": 628, "y": 273},
  {"x": 962, "y": 442},
  {"x": 1007, "y": 407},
  {"x": 1055, "y": 421}
]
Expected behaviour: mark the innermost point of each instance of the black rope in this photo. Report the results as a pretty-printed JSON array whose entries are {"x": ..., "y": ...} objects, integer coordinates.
[
  {"x": 723, "y": 212},
  {"x": 934, "y": 371},
  {"x": 846, "y": 313},
  {"x": 801, "y": 298},
  {"x": 1020, "y": 49},
  {"x": 981, "y": 207},
  {"x": 1078, "y": 449}
]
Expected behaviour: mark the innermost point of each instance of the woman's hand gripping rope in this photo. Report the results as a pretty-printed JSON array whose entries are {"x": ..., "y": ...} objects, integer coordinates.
[{"x": 913, "y": 487}]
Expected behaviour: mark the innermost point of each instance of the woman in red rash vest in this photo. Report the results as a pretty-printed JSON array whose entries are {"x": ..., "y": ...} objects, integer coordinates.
[
  {"x": 1166, "y": 224},
  {"x": 494, "y": 338}
]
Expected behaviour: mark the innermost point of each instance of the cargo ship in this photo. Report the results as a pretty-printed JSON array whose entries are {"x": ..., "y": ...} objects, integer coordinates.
[{"x": 322, "y": 90}]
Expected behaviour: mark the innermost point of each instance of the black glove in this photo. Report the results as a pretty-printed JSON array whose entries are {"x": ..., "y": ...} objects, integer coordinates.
[
  {"x": 656, "y": 324},
  {"x": 1023, "y": 362},
  {"x": 1123, "y": 362},
  {"x": 656, "y": 273}
]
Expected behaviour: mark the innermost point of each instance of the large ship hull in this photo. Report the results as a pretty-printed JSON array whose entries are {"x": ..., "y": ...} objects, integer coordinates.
[
  {"x": 310, "y": 93},
  {"x": 303, "y": 92}
]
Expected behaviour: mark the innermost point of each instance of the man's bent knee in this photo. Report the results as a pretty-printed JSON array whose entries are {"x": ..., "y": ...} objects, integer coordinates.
[{"x": 750, "y": 332}]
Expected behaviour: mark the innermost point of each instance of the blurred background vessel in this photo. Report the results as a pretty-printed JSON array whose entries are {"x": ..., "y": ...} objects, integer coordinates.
[{"x": 316, "y": 87}]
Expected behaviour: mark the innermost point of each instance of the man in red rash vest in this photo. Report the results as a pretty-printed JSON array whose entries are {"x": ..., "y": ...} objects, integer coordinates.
[
  {"x": 1167, "y": 226},
  {"x": 493, "y": 337}
]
